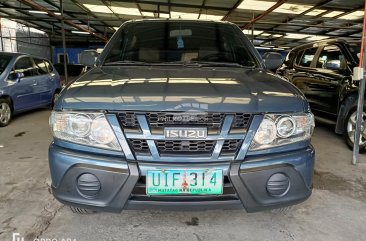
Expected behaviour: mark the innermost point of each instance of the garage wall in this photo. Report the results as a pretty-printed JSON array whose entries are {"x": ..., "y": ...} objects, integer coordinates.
[{"x": 16, "y": 37}]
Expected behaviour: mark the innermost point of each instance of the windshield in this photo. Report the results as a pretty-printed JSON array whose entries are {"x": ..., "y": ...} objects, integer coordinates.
[
  {"x": 180, "y": 42},
  {"x": 355, "y": 48},
  {"x": 4, "y": 61}
]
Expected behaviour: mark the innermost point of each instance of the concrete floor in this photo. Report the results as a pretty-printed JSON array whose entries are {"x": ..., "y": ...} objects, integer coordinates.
[{"x": 335, "y": 211}]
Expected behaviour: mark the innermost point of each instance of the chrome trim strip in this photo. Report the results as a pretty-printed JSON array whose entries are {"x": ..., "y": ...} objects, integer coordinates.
[
  {"x": 223, "y": 133},
  {"x": 113, "y": 121},
  {"x": 184, "y": 159},
  {"x": 256, "y": 121},
  {"x": 141, "y": 119},
  {"x": 162, "y": 137},
  {"x": 217, "y": 150}
]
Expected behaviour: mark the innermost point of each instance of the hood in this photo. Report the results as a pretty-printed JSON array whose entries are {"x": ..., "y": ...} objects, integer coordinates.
[{"x": 181, "y": 89}]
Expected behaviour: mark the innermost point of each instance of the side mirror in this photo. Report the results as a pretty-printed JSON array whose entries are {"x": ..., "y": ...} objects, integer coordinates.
[
  {"x": 88, "y": 58},
  {"x": 272, "y": 60}
]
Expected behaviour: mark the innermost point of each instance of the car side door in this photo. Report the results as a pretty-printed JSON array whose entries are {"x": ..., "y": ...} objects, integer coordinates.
[
  {"x": 302, "y": 73},
  {"x": 25, "y": 95},
  {"x": 45, "y": 85},
  {"x": 327, "y": 80}
]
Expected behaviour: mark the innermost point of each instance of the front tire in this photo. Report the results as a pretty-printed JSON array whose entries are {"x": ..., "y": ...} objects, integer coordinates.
[
  {"x": 5, "y": 112},
  {"x": 350, "y": 127}
]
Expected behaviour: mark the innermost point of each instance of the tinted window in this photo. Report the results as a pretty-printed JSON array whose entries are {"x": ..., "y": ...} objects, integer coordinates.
[
  {"x": 331, "y": 57},
  {"x": 25, "y": 66},
  {"x": 355, "y": 48},
  {"x": 157, "y": 42},
  {"x": 289, "y": 58},
  {"x": 41, "y": 66},
  {"x": 4, "y": 61},
  {"x": 307, "y": 57},
  {"x": 48, "y": 65}
]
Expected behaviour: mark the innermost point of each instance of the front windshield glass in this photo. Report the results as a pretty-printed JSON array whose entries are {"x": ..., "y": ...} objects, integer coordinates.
[
  {"x": 180, "y": 42},
  {"x": 4, "y": 61}
]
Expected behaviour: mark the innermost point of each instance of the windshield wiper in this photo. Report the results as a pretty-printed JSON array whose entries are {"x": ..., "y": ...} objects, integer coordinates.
[
  {"x": 130, "y": 62},
  {"x": 215, "y": 64},
  {"x": 127, "y": 62},
  {"x": 194, "y": 63}
]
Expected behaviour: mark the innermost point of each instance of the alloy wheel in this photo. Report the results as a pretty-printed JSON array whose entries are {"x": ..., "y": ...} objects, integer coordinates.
[
  {"x": 5, "y": 113},
  {"x": 351, "y": 128}
]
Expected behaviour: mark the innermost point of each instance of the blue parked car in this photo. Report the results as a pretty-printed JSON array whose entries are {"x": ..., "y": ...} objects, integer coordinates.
[{"x": 26, "y": 83}]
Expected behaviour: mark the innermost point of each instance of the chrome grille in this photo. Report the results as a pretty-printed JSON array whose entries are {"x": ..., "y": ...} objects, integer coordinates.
[
  {"x": 241, "y": 120},
  {"x": 144, "y": 134},
  {"x": 162, "y": 119},
  {"x": 230, "y": 146},
  {"x": 128, "y": 119},
  {"x": 185, "y": 147},
  {"x": 139, "y": 146}
]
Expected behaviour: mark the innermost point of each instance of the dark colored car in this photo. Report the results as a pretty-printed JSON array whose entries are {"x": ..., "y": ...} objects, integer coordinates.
[
  {"x": 323, "y": 72},
  {"x": 26, "y": 83},
  {"x": 181, "y": 114}
]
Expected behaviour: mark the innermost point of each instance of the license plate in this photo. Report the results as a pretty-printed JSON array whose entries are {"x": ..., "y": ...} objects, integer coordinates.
[{"x": 192, "y": 182}]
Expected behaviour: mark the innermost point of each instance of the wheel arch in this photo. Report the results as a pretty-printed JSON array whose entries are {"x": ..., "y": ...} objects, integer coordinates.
[
  {"x": 7, "y": 97},
  {"x": 346, "y": 105}
]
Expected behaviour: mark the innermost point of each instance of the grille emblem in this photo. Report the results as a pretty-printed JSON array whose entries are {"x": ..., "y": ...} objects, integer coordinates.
[{"x": 185, "y": 133}]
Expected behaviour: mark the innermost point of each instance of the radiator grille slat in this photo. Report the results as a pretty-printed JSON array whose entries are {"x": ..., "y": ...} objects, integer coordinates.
[
  {"x": 162, "y": 119},
  {"x": 211, "y": 148}
]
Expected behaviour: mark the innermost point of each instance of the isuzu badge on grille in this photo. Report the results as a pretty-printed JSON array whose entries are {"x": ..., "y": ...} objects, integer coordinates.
[{"x": 185, "y": 133}]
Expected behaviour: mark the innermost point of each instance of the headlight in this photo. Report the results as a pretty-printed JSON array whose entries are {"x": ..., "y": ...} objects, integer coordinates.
[
  {"x": 266, "y": 132},
  {"x": 91, "y": 129},
  {"x": 277, "y": 130}
]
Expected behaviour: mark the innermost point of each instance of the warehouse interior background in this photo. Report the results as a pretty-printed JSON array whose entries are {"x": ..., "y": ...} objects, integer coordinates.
[{"x": 274, "y": 26}]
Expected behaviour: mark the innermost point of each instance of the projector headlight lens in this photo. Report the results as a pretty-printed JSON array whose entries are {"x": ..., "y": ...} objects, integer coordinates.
[{"x": 286, "y": 126}]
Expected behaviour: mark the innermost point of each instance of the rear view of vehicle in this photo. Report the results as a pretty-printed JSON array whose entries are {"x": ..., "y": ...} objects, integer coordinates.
[
  {"x": 26, "y": 83},
  {"x": 180, "y": 114}
]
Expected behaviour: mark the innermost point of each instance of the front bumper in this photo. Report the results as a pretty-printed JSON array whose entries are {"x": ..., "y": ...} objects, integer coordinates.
[{"x": 122, "y": 183}]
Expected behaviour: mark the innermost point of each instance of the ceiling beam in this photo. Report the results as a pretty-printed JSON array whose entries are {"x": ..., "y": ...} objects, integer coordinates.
[
  {"x": 13, "y": 17},
  {"x": 111, "y": 9},
  {"x": 305, "y": 12},
  {"x": 88, "y": 12},
  {"x": 71, "y": 14},
  {"x": 52, "y": 14},
  {"x": 265, "y": 13},
  {"x": 360, "y": 8},
  {"x": 238, "y": 2},
  {"x": 167, "y": 4},
  {"x": 201, "y": 8},
  {"x": 27, "y": 9},
  {"x": 292, "y": 24}
]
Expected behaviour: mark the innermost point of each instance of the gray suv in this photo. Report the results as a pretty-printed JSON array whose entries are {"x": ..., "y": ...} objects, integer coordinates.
[{"x": 180, "y": 114}]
